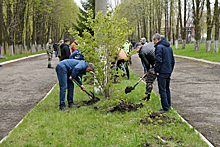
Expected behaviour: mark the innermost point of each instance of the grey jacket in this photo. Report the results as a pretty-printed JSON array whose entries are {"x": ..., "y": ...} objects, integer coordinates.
[{"x": 147, "y": 55}]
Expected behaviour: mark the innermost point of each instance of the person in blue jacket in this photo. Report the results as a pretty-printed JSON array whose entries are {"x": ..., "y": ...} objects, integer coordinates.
[
  {"x": 164, "y": 64},
  {"x": 67, "y": 70},
  {"x": 77, "y": 54}
]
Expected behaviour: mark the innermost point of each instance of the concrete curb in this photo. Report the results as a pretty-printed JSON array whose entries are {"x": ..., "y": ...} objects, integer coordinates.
[
  {"x": 23, "y": 58},
  {"x": 27, "y": 114},
  {"x": 199, "y": 60}
]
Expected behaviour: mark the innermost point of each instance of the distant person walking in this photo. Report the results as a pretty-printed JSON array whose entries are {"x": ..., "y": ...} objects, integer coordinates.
[
  {"x": 67, "y": 70},
  {"x": 59, "y": 49},
  {"x": 164, "y": 64},
  {"x": 55, "y": 45},
  {"x": 74, "y": 45},
  {"x": 143, "y": 41},
  {"x": 147, "y": 55},
  {"x": 65, "y": 50},
  {"x": 49, "y": 49},
  {"x": 0, "y": 54}
]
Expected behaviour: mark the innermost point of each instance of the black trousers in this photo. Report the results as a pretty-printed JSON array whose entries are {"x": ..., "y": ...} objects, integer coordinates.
[{"x": 126, "y": 66}]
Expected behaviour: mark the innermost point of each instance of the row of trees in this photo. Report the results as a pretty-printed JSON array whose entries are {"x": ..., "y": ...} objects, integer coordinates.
[
  {"x": 28, "y": 24},
  {"x": 171, "y": 17}
]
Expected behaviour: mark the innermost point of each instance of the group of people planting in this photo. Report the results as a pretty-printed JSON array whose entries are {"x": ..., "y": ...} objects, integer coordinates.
[{"x": 156, "y": 57}]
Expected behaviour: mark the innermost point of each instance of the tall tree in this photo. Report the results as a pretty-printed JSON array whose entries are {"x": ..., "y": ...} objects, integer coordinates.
[
  {"x": 197, "y": 7},
  {"x": 216, "y": 20},
  {"x": 209, "y": 23},
  {"x": 184, "y": 29},
  {"x": 83, "y": 15}
]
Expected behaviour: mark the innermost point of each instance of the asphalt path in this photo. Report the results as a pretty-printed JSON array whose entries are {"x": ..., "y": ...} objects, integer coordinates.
[
  {"x": 22, "y": 85},
  {"x": 195, "y": 94}
]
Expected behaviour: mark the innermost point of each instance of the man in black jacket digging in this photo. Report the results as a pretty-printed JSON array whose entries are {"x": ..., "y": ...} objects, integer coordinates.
[
  {"x": 147, "y": 55},
  {"x": 65, "y": 50}
]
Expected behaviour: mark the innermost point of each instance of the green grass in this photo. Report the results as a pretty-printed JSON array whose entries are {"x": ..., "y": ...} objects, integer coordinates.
[
  {"x": 45, "y": 125},
  {"x": 18, "y": 56},
  {"x": 201, "y": 54}
]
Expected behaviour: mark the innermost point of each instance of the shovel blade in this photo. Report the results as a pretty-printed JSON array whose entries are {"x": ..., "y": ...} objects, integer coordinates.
[{"x": 128, "y": 89}]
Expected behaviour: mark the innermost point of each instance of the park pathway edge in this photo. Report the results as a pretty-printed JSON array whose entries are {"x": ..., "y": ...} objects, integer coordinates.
[{"x": 27, "y": 114}]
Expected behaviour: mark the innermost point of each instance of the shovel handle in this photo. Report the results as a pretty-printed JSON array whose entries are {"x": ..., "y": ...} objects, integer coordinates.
[
  {"x": 81, "y": 87},
  {"x": 140, "y": 79}
]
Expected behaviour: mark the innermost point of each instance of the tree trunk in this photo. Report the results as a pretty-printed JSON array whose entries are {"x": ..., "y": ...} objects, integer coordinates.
[
  {"x": 208, "y": 46},
  {"x": 216, "y": 46},
  {"x": 184, "y": 44},
  {"x": 11, "y": 50},
  {"x": 39, "y": 47},
  {"x": 197, "y": 45},
  {"x": 20, "y": 49},
  {"x": 33, "y": 48},
  {"x": 16, "y": 49},
  {"x": 216, "y": 19},
  {"x": 25, "y": 47},
  {"x": 209, "y": 28},
  {"x": 1, "y": 22},
  {"x": 176, "y": 44},
  {"x": 184, "y": 29}
]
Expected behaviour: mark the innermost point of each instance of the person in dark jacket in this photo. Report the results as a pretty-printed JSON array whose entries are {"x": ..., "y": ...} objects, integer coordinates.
[
  {"x": 147, "y": 55},
  {"x": 67, "y": 70},
  {"x": 55, "y": 48},
  {"x": 65, "y": 50},
  {"x": 164, "y": 64}
]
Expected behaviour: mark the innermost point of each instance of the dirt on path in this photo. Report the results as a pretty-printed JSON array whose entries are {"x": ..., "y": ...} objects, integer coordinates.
[
  {"x": 22, "y": 85},
  {"x": 195, "y": 94}
]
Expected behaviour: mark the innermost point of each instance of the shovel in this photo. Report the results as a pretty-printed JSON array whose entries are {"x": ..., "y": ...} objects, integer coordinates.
[
  {"x": 128, "y": 89},
  {"x": 90, "y": 94}
]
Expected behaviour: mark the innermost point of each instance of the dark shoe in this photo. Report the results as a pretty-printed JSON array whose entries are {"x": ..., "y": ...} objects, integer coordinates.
[
  {"x": 64, "y": 109},
  {"x": 128, "y": 78},
  {"x": 146, "y": 98},
  {"x": 49, "y": 66},
  {"x": 162, "y": 111},
  {"x": 73, "y": 105},
  {"x": 0, "y": 65}
]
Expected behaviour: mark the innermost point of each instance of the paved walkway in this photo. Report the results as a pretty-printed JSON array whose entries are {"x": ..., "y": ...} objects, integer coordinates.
[
  {"x": 22, "y": 85},
  {"x": 195, "y": 94}
]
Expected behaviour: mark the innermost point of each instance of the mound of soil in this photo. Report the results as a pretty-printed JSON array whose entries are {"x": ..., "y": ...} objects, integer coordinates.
[
  {"x": 91, "y": 102},
  {"x": 123, "y": 107},
  {"x": 157, "y": 117}
]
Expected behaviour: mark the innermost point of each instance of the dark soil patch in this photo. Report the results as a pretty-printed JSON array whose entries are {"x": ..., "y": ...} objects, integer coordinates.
[
  {"x": 123, "y": 107},
  {"x": 91, "y": 102},
  {"x": 157, "y": 117}
]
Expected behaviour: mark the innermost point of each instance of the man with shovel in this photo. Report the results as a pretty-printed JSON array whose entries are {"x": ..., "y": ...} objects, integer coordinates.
[
  {"x": 67, "y": 70},
  {"x": 147, "y": 55}
]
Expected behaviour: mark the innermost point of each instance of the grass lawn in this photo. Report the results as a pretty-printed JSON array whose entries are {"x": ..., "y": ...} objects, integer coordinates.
[
  {"x": 18, "y": 56},
  {"x": 45, "y": 125},
  {"x": 202, "y": 54}
]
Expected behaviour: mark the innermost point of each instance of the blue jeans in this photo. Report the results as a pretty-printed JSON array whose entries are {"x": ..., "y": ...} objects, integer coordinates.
[
  {"x": 145, "y": 69},
  {"x": 55, "y": 53},
  {"x": 164, "y": 90},
  {"x": 65, "y": 83}
]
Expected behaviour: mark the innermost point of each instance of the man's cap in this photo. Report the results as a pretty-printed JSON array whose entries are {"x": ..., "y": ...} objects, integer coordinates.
[{"x": 91, "y": 66}]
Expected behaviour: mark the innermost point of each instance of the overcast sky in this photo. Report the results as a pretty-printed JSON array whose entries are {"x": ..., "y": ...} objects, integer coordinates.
[{"x": 79, "y": 4}]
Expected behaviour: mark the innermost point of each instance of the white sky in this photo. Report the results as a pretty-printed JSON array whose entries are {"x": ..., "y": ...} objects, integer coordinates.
[{"x": 79, "y": 4}]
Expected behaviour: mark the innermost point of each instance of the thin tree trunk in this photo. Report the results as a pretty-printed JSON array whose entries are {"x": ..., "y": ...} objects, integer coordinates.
[
  {"x": 184, "y": 29},
  {"x": 209, "y": 27},
  {"x": 16, "y": 49},
  {"x": 216, "y": 19},
  {"x": 197, "y": 45}
]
